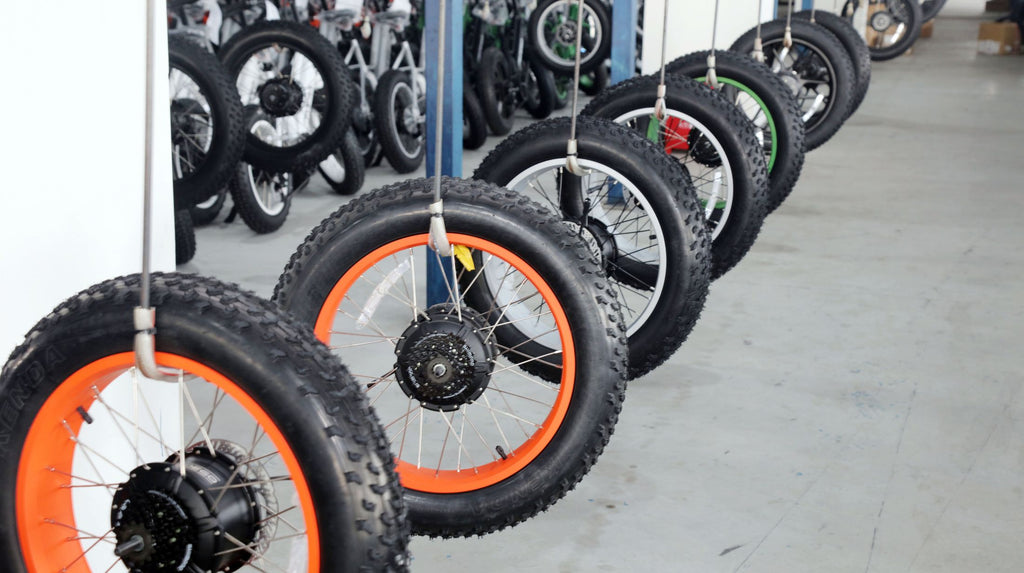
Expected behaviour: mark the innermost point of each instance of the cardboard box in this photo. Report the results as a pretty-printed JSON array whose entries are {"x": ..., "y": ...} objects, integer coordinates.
[
  {"x": 998, "y": 38},
  {"x": 926, "y": 30},
  {"x": 997, "y": 6}
]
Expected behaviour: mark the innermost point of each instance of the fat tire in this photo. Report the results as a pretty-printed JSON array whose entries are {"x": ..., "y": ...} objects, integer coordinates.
[
  {"x": 787, "y": 127},
  {"x": 915, "y": 15},
  {"x": 387, "y": 123},
  {"x": 363, "y": 124},
  {"x": 592, "y": 61},
  {"x": 208, "y": 214},
  {"x": 664, "y": 184},
  {"x": 930, "y": 9},
  {"x": 304, "y": 389},
  {"x": 228, "y": 141},
  {"x": 474, "y": 134},
  {"x": 732, "y": 129},
  {"x": 349, "y": 156},
  {"x": 595, "y": 81},
  {"x": 825, "y": 124},
  {"x": 492, "y": 78},
  {"x": 184, "y": 237},
  {"x": 544, "y": 82},
  {"x": 855, "y": 46},
  {"x": 538, "y": 237},
  {"x": 338, "y": 92},
  {"x": 243, "y": 194},
  {"x": 562, "y": 91}
]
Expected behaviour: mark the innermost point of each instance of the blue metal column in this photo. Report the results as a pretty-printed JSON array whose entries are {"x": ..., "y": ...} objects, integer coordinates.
[
  {"x": 451, "y": 148},
  {"x": 624, "y": 16},
  {"x": 451, "y": 127}
]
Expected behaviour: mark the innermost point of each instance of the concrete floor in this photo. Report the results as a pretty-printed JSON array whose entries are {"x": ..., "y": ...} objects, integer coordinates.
[{"x": 851, "y": 398}]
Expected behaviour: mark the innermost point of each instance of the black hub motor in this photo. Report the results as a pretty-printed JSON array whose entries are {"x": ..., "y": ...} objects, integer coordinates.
[
  {"x": 280, "y": 97},
  {"x": 599, "y": 239},
  {"x": 200, "y": 522},
  {"x": 445, "y": 361}
]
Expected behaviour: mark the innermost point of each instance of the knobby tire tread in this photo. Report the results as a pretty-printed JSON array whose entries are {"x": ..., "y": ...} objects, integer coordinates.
[
  {"x": 492, "y": 509},
  {"x": 778, "y": 99},
  {"x": 194, "y": 312},
  {"x": 695, "y": 256}
]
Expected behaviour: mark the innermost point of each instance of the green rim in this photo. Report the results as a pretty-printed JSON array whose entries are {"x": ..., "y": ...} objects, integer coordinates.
[{"x": 764, "y": 108}]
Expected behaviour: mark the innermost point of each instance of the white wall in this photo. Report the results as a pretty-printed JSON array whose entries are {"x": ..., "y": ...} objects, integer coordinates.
[
  {"x": 71, "y": 153},
  {"x": 690, "y": 24}
]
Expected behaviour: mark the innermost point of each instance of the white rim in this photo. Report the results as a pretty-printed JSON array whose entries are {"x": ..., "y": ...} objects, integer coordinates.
[
  {"x": 527, "y": 183},
  {"x": 703, "y": 177}
]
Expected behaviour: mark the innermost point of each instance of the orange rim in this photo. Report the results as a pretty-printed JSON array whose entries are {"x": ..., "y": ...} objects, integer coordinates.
[
  {"x": 43, "y": 499},
  {"x": 431, "y": 480}
]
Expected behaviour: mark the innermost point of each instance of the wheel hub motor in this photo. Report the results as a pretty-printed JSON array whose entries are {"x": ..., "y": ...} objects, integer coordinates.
[
  {"x": 567, "y": 32},
  {"x": 881, "y": 21},
  {"x": 166, "y": 522},
  {"x": 444, "y": 361},
  {"x": 280, "y": 97}
]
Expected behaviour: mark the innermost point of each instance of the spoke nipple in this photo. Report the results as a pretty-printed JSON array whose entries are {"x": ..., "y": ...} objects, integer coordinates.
[
  {"x": 85, "y": 415},
  {"x": 200, "y": 492}
]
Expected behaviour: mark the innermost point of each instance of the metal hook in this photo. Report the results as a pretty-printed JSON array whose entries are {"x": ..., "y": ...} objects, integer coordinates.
[
  {"x": 438, "y": 233},
  {"x": 572, "y": 163},
  {"x": 144, "y": 317}
]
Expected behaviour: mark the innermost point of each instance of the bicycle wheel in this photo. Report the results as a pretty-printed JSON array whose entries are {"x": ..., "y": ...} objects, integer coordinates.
[
  {"x": 248, "y": 462},
  {"x": 344, "y": 170},
  {"x": 495, "y": 90},
  {"x": 855, "y": 46},
  {"x": 716, "y": 145},
  {"x": 206, "y": 122},
  {"x": 482, "y": 442},
  {"x": 551, "y": 35},
  {"x": 816, "y": 68},
  {"x": 769, "y": 105},
  {"x": 295, "y": 81},
  {"x": 893, "y": 26},
  {"x": 400, "y": 113},
  {"x": 640, "y": 219},
  {"x": 262, "y": 198}
]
